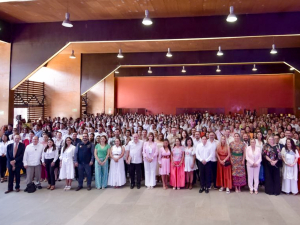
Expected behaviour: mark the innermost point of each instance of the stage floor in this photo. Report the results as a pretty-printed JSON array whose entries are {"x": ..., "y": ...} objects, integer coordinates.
[{"x": 157, "y": 206}]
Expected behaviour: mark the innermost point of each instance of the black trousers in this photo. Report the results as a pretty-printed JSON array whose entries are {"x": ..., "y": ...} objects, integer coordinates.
[
  {"x": 214, "y": 173},
  {"x": 135, "y": 168},
  {"x": 50, "y": 171},
  {"x": 272, "y": 180},
  {"x": 12, "y": 175},
  {"x": 205, "y": 174},
  {"x": 196, "y": 173},
  {"x": 3, "y": 162}
]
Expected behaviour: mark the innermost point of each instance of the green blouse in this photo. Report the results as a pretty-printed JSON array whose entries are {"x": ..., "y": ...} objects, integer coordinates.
[{"x": 102, "y": 152}]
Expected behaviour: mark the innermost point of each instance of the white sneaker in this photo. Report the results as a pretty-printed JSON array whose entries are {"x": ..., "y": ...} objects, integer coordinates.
[
  {"x": 174, "y": 188},
  {"x": 227, "y": 191},
  {"x": 148, "y": 188},
  {"x": 221, "y": 189},
  {"x": 65, "y": 188}
]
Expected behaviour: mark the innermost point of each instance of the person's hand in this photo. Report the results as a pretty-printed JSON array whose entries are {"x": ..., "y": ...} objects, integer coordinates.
[
  {"x": 243, "y": 162},
  {"x": 76, "y": 164},
  {"x": 273, "y": 163},
  {"x": 254, "y": 165},
  {"x": 25, "y": 167},
  {"x": 160, "y": 166},
  {"x": 192, "y": 166},
  {"x": 12, "y": 163},
  {"x": 52, "y": 164},
  {"x": 173, "y": 164},
  {"x": 99, "y": 162},
  {"x": 203, "y": 162},
  {"x": 91, "y": 163},
  {"x": 60, "y": 165},
  {"x": 3, "y": 155}
]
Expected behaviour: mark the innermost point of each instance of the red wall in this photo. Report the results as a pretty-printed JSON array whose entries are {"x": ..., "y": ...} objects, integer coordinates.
[{"x": 234, "y": 93}]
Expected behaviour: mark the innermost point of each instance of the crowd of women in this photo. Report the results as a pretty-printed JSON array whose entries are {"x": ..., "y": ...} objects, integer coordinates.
[{"x": 223, "y": 152}]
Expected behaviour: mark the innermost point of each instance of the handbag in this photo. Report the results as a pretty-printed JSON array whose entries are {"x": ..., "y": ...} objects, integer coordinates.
[
  {"x": 31, "y": 188},
  {"x": 227, "y": 163}
]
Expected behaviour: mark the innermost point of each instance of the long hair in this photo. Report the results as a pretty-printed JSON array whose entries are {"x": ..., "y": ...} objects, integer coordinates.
[
  {"x": 292, "y": 143},
  {"x": 169, "y": 147},
  {"x": 186, "y": 140},
  {"x": 66, "y": 145},
  {"x": 53, "y": 146}
]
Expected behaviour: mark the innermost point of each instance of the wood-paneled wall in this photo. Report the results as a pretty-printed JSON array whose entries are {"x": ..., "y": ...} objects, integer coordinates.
[{"x": 62, "y": 86}]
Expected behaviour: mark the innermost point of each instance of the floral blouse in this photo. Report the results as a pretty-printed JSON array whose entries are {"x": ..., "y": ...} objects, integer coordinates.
[{"x": 273, "y": 153}]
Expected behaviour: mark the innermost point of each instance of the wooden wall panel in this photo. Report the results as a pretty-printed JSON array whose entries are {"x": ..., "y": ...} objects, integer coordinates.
[
  {"x": 4, "y": 84},
  {"x": 96, "y": 99},
  {"x": 109, "y": 89},
  {"x": 62, "y": 86}
]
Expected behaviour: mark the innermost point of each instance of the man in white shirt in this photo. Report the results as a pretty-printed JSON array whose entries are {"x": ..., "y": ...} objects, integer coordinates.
[
  {"x": 172, "y": 137},
  {"x": 134, "y": 158},
  {"x": 213, "y": 144},
  {"x": 287, "y": 134},
  {"x": 32, "y": 161},
  {"x": 197, "y": 139},
  {"x": 204, "y": 155},
  {"x": 229, "y": 138}
]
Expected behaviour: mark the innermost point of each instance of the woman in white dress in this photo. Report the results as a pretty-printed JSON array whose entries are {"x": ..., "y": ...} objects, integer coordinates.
[
  {"x": 159, "y": 143},
  {"x": 116, "y": 176},
  {"x": 67, "y": 163},
  {"x": 189, "y": 162},
  {"x": 290, "y": 157},
  {"x": 184, "y": 136},
  {"x": 150, "y": 161}
]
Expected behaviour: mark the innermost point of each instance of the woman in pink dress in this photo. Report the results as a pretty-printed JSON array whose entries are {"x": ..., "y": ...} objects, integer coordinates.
[
  {"x": 164, "y": 162},
  {"x": 177, "y": 178}
]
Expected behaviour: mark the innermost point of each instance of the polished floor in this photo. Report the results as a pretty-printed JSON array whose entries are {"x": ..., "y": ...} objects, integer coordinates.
[{"x": 157, "y": 206}]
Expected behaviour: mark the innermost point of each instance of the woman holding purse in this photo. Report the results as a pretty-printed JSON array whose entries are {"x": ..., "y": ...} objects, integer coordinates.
[{"x": 224, "y": 178}]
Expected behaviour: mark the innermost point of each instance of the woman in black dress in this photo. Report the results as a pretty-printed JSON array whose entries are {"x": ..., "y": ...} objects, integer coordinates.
[{"x": 272, "y": 155}]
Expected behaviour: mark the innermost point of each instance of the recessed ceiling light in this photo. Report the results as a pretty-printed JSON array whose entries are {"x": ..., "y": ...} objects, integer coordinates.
[
  {"x": 254, "y": 68},
  {"x": 147, "y": 21},
  {"x": 117, "y": 71},
  {"x": 183, "y": 70},
  {"x": 149, "y": 71},
  {"x": 292, "y": 68},
  {"x": 169, "y": 54},
  {"x": 231, "y": 17},
  {"x": 218, "y": 69}
]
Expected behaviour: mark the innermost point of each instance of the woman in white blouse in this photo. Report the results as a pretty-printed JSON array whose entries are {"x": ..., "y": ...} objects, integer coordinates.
[
  {"x": 67, "y": 163},
  {"x": 253, "y": 157},
  {"x": 49, "y": 157},
  {"x": 3, "y": 149}
]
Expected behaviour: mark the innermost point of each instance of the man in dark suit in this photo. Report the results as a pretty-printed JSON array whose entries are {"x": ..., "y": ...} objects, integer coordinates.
[
  {"x": 75, "y": 142},
  {"x": 15, "y": 153}
]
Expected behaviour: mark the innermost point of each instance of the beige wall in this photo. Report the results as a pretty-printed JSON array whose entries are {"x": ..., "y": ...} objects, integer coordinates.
[
  {"x": 4, "y": 84},
  {"x": 101, "y": 98},
  {"x": 62, "y": 86}
]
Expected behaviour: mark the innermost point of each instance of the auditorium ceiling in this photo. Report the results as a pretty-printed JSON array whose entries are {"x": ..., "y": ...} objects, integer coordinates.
[{"x": 32, "y": 11}]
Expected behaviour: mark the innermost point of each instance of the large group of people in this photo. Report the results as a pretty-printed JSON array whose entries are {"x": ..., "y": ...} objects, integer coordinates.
[{"x": 223, "y": 152}]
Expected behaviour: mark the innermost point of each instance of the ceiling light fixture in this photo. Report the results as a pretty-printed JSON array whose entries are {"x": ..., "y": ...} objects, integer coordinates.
[
  {"x": 147, "y": 21},
  {"x": 254, "y": 68},
  {"x": 220, "y": 53},
  {"x": 67, "y": 22},
  {"x": 149, "y": 71},
  {"x": 117, "y": 71},
  {"x": 120, "y": 55},
  {"x": 218, "y": 69},
  {"x": 183, "y": 70},
  {"x": 273, "y": 51},
  {"x": 72, "y": 56},
  {"x": 231, "y": 17},
  {"x": 169, "y": 54},
  {"x": 292, "y": 68}
]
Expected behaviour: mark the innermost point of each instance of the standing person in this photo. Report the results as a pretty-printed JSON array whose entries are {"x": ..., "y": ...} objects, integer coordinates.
[
  {"x": 59, "y": 143},
  {"x": 189, "y": 162},
  {"x": 150, "y": 159},
  {"x": 290, "y": 157},
  {"x": 116, "y": 176},
  {"x": 272, "y": 154},
  {"x": 164, "y": 162},
  {"x": 238, "y": 155},
  {"x": 49, "y": 158},
  {"x": 214, "y": 163},
  {"x": 260, "y": 143},
  {"x": 177, "y": 178},
  {"x": 15, "y": 153},
  {"x": 102, "y": 151},
  {"x": 172, "y": 137},
  {"x": 204, "y": 155},
  {"x": 224, "y": 178},
  {"x": 134, "y": 151},
  {"x": 67, "y": 163},
  {"x": 83, "y": 159},
  {"x": 253, "y": 157},
  {"x": 32, "y": 162},
  {"x": 3, "y": 160},
  {"x": 159, "y": 143},
  {"x": 44, "y": 142}
]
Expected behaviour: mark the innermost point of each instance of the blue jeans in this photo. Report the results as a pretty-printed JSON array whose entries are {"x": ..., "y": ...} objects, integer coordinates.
[{"x": 87, "y": 169}]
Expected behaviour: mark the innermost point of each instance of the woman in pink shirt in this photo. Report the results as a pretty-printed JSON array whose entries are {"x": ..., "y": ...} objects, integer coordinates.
[
  {"x": 177, "y": 179},
  {"x": 164, "y": 162},
  {"x": 253, "y": 157},
  {"x": 150, "y": 160}
]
